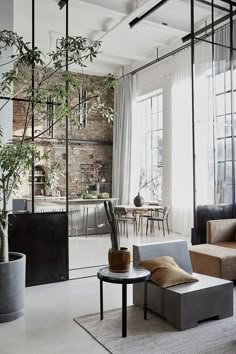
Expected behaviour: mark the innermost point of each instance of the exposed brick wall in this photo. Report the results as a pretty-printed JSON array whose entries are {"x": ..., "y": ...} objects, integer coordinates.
[{"x": 97, "y": 129}]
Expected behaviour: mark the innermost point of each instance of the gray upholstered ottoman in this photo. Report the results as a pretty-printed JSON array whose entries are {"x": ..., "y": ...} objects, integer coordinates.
[
  {"x": 215, "y": 261},
  {"x": 183, "y": 305}
]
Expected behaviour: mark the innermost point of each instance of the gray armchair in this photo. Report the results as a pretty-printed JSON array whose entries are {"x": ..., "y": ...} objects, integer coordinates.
[{"x": 183, "y": 305}]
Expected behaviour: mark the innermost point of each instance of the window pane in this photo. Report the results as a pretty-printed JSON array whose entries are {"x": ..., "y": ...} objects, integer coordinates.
[
  {"x": 154, "y": 104},
  {"x": 159, "y": 138},
  {"x": 219, "y": 83},
  {"x": 149, "y": 141},
  {"x": 154, "y": 157},
  {"x": 154, "y": 121},
  {"x": 220, "y": 131},
  {"x": 151, "y": 156},
  {"x": 149, "y": 123},
  {"x": 160, "y": 103},
  {"x": 220, "y": 150},
  {"x": 159, "y": 156},
  {"x": 220, "y": 119},
  {"x": 228, "y": 102},
  {"x": 228, "y": 119},
  {"x": 154, "y": 139},
  {"x": 149, "y": 111},
  {"x": 220, "y": 105},
  {"x": 160, "y": 121},
  {"x": 229, "y": 149},
  {"x": 227, "y": 80}
]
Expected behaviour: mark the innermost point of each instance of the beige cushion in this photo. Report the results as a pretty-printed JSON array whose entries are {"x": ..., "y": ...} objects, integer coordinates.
[
  {"x": 165, "y": 272},
  {"x": 221, "y": 230},
  {"x": 214, "y": 260},
  {"x": 230, "y": 244}
]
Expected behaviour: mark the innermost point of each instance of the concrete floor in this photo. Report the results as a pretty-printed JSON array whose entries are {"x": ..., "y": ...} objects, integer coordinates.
[
  {"x": 47, "y": 326},
  {"x": 92, "y": 252}
]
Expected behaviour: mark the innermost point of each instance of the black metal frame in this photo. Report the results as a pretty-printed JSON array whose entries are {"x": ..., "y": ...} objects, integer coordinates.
[
  {"x": 32, "y": 86},
  {"x": 61, "y": 5},
  {"x": 212, "y": 27},
  {"x": 65, "y": 247},
  {"x": 192, "y": 38},
  {"x": 147, "y": 13}
]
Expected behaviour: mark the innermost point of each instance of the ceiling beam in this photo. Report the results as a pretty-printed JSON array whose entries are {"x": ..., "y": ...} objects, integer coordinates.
[
  {"x": 125, "y": 19},
  {"x": 165, "y": 29},
  {"x": 104, "y": 10},
  {"x": 137, "y": 12}
]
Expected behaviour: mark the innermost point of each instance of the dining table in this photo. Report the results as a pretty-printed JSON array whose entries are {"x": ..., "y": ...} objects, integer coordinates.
[{"x": 140, "y": 211}]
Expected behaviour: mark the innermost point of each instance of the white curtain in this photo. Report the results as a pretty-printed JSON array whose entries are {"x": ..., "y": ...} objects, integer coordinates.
[
  {"x": 122, "y": 132},
  {"x": 182, "y": 162}
]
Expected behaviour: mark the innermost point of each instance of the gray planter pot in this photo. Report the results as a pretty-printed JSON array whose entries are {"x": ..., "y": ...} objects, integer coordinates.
[{"x": 12, "y": 287}]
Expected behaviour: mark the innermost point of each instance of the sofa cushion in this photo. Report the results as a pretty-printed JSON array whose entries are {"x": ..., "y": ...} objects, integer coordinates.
[
  {"x": 229, "y": 244},
  {"x": 165, "y": 272},
  {"x": 221, "y": 230},
  {"x": 214, "y": 260}
]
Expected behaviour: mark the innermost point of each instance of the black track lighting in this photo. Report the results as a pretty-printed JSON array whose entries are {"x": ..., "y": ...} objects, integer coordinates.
[{"x": 62, "y": 3}]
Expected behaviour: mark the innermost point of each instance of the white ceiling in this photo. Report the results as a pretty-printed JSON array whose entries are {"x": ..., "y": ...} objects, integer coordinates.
[{"x": 108, "y": 21}]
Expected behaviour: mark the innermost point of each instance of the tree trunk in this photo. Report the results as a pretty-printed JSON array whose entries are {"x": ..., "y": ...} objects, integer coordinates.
[{"x": 4, "y": 253}]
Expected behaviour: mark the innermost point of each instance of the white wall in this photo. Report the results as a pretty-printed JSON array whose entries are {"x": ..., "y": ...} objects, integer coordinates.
[
  {"x": 6, "y": 22},
  {"x": 156, "y": 77}
]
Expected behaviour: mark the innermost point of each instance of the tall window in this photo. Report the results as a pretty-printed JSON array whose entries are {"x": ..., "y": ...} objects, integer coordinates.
[
  {"x": 150, "y": 111},
  {"x": 222, "y": 140}
]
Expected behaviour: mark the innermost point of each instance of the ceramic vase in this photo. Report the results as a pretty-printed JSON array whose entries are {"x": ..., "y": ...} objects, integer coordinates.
[{"x": 138, "y": 200}]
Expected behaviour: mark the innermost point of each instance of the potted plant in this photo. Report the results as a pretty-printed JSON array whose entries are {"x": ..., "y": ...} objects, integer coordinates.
[
  {"x": 21, "y": 154},
  {"x": 118, "y": 257},
  {"x": 53, "y": 176},
  {"x": 15, "y": 159}
]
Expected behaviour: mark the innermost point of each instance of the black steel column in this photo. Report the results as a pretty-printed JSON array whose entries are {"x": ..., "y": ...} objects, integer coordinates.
[
  {"x": 232, "y": 98},
  {"x": 193, "y": 117},
  {"x": 145, "y": 299},
  {"x": 67, "y": 117},
  {"x": 32, "y": 103},
  {"x": 101, "y": 300},
  {"x": 213, "y": 96},
  {"x": 124, "y": 310}
]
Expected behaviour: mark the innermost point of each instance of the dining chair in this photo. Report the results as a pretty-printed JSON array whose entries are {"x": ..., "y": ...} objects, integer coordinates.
[
  {"x": 146, "y": 214},
  {"x": 123, "y": 218},
  {"x": 161, "y": 217}
]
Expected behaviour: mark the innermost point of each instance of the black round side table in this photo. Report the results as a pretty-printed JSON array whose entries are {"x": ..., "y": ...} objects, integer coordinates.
[{"x": 134, "y": 275}]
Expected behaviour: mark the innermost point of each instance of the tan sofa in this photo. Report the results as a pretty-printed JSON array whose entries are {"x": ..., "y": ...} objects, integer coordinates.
[
  {"x": 222, "y": 232},
  {"x": 217, "y": 257}
]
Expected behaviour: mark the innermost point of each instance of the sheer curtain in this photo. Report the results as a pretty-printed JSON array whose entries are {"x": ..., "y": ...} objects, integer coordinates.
[
  {"x": 122, "y": 132},
  {"x": 182, "y": 162}
]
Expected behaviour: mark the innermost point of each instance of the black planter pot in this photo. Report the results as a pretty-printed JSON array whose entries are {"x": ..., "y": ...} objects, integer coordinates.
[
  {"x": 138, "y": 201},
  {"x": 12, "y": 287}
]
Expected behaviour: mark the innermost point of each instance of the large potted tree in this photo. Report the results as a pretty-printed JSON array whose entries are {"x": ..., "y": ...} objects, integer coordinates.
[
  {"x": 15, "y": 159},
  {"x": 21, "y": 154}
]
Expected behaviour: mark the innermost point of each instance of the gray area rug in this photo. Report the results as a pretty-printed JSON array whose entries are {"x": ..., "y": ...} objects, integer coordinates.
[{"x": 157, "y": 336}]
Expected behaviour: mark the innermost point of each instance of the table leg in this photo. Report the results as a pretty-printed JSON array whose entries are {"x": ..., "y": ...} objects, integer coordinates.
[
  {"x": 141, "y": 224},
  {"x": 124, "y": 310},
  {"x": 101, "y": 299},
  {"x": 145, "y": 300}
]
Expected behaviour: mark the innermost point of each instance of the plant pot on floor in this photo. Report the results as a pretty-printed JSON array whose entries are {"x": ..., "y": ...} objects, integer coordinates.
[{"x": 12, "y": 287}]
